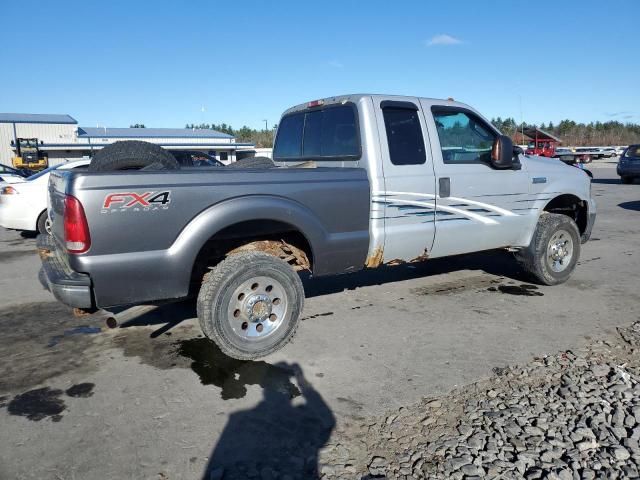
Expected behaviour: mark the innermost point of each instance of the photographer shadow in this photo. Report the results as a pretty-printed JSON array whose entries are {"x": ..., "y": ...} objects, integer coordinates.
[{"x": 281, "y": 435}]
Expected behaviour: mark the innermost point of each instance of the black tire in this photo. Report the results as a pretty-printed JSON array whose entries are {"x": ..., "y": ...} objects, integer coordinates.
[
  {"x": 253, "y": 162},
  {"x": 41, "y": 224},
  {"x": 535, "y": 259},
  {"x": 223, "y": 313},
  {"x": 131, "y": 155},
  {"x": 626, "y": 180}
]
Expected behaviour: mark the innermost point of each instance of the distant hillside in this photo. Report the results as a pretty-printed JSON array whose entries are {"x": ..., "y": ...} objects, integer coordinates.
[
  {"x": 570, "y": 132},
  {"x": 577, "y": 134}
]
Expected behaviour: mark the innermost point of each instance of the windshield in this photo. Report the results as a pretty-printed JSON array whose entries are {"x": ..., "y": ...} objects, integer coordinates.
[
  {"x": 42, "y": 173},
  {"x": 633, "y": 151},
  {"x": 5, "y": 169},
  {"x": 205, "y": 162}
]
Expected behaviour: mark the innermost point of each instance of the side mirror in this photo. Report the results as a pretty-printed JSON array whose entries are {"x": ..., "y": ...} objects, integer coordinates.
[{"x": 502, "y": 153}]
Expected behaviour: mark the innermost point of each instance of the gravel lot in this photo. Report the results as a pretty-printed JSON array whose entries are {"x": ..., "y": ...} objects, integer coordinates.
[{"x": 446, "y": 369}]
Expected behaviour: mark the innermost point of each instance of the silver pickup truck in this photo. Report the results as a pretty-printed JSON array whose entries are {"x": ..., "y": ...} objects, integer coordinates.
[{"x": 358, "y": 181}]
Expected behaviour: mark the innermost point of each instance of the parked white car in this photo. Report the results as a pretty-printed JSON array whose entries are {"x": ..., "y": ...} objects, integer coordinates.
[
  {"x": 10, "y": 175},
  {"x": 23, "y": 204},
  {"x": 620, "y": 150}
]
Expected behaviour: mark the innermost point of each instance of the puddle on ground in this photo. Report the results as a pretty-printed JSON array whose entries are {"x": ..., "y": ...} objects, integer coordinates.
[
  {"x": 233, "y": 376},
  {"x": 30, "y": 356},
  {"x": 326, "y": 314},
  {"x": 38, "y": 404},
  {"x": 25, "y": 360},
  {"x": 81, "y": 390},
  {"x": 44, "y": 402},
  {"x": 456, "y": 286},
  {"x": 80, "y": 330},
  {"x": 524, "y": 290},
  {"x": 202, "y": 356}
]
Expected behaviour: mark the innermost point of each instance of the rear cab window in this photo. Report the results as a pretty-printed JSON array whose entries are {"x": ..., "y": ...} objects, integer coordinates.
[{"x": 327, "y": 133}]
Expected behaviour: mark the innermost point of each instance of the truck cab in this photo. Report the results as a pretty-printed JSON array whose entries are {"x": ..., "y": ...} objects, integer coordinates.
[
  {"x": 541, "y": 149},
  {"x": 541, "y": 143},
  {"x": 429, "y": 162}
]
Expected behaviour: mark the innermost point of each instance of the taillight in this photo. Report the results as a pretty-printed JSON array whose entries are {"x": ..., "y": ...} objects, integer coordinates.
[
  {"x": 8, "y": 191},
  {"x": 76, "y": 230}
]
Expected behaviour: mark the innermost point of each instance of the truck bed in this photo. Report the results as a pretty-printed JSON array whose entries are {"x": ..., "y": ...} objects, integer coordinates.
[{"x": 147, "y": 228}]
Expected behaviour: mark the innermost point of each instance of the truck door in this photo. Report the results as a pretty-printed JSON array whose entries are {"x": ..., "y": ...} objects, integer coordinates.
[
  {"x": 407, "y": 200},
  {"x": 478, "y": 207}
]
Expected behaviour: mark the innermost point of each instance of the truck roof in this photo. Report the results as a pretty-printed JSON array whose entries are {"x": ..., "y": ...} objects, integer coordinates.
[{"x": 355, "y": 97}]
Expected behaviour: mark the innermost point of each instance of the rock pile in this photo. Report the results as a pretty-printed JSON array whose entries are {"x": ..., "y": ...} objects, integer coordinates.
[{"x": 573, "y": 415}]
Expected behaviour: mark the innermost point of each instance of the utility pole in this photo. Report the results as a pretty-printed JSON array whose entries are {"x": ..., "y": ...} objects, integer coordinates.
[
  {"x": 266, "y": 125},
  {"x": 521, "y": 121}
]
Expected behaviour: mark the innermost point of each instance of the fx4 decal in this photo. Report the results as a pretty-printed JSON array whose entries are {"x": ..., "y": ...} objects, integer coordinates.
[{"x": 136, "y": 202}]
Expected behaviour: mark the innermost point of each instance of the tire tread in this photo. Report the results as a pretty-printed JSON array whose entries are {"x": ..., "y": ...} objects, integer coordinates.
[
  {"x": 214, "y": 280},
  {"x": 531, "y": 258},
  {"x": 131, "y": 154}
]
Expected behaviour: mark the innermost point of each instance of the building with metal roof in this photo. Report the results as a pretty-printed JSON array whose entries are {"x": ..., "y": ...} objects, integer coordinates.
[
  {"x": 105, "y": 132},
  {"x": 37, "y": 118},
  {"x": 59, "y": 138}
]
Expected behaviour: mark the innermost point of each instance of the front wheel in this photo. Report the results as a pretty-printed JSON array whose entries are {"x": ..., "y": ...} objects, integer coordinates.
[
  {"x": 626, "y": 180},
  {"x": 554, "y": 250},
  {"x": 250, "y": 304}
]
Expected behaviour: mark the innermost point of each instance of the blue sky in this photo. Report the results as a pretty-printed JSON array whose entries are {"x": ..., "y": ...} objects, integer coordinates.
[{"x": 159, "y": 63}]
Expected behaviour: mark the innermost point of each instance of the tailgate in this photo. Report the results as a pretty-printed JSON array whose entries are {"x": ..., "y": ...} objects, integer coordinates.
[{"x": 55, "y": 205}]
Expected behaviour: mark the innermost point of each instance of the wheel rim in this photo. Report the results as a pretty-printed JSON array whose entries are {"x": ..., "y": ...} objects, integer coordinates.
[
  {"x": 560, "y": 251},
  {"x": 257, "y": 308},
  {"x": 47, "y": 225}
]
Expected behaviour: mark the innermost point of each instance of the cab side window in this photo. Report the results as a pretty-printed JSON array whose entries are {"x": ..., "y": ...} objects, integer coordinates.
[
  {"x": 404, "y": 136},
  {"x": 464, "y": 138}
]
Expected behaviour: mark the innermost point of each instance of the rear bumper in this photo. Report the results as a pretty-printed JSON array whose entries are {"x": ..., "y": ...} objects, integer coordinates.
[
  {"x": 69, "y": 287},
  {"x": 628, "y": 169}
]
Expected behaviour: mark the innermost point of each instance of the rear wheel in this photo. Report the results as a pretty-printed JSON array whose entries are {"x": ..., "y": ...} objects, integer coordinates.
[
  {"x": 554, "y": 250},
  {"x": 626, "y": 180},
  {"x": 250, "y": 304}
]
